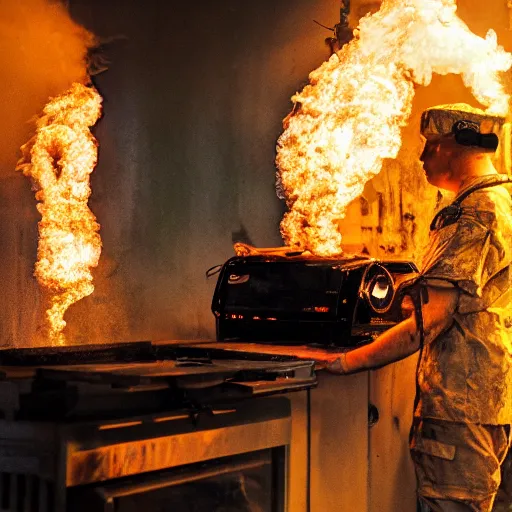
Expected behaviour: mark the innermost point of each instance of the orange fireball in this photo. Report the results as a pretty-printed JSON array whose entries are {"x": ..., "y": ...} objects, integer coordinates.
[{"x": 59, "y": 160}]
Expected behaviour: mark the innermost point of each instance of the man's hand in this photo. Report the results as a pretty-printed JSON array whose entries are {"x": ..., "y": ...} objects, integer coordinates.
[{"x": 403, "y": 339}]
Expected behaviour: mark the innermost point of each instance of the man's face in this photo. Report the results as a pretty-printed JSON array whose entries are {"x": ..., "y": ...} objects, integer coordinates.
[{"x": 435, "y": 157}]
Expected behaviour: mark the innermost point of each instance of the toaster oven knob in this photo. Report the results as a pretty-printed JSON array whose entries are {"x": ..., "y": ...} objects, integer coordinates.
[
  {"x": 379, "y": 288},
  {"x": 373, "y": 415}
]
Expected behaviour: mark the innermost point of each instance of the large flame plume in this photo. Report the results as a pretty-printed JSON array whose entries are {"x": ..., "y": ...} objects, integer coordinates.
[
  {"x": 59, "y": 160},
  {"x": 349, "y": 118}
]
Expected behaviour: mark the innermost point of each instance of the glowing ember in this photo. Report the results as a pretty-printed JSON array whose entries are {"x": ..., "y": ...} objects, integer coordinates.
[
  {"x": 59, "y": 159},
  {"x": 348, "y": 119}
]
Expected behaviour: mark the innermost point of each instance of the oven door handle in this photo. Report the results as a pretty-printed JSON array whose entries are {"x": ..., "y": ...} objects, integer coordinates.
[{"x": 103, "y": 498}]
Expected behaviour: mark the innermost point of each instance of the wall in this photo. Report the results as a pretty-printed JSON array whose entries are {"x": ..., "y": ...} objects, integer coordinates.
[{"x": 193, "y": 103}]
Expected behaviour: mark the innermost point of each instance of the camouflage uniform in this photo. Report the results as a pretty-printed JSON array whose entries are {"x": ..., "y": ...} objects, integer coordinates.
[{"x": 461, "y": 434}]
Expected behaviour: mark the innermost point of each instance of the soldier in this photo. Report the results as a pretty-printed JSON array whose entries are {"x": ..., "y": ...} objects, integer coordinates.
[{"x": 462, "y": 422}]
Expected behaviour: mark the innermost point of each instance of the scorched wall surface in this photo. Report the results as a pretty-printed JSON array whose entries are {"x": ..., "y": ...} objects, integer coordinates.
[{"x": 194, "y": 97}]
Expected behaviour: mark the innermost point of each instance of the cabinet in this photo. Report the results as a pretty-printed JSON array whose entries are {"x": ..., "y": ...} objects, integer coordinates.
[{"x": 347, "y": 465}]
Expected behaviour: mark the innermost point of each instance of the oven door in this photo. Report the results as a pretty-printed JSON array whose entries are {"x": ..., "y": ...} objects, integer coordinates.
[
  {"x": 226, "y": 460},
  {"x": 245, "y": 483}
]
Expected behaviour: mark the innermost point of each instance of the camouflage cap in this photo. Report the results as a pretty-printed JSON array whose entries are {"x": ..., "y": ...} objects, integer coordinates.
[{"x": 440, "y": 120}]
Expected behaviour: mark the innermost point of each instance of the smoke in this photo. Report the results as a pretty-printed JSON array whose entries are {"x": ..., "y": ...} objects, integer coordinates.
[
  {"x": 42, "y": 52},
  {"x": 349, "y": 119}
]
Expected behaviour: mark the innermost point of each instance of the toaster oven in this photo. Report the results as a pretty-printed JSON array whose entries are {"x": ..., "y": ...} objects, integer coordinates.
[{"x": 279, "y": 299}]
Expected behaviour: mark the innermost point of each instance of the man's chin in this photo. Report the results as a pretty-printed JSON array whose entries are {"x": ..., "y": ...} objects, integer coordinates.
[{"x": 428, "y": 177}]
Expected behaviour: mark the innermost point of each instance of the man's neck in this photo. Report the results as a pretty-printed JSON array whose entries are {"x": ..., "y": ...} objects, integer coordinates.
[{"x": 471, "y": 168}]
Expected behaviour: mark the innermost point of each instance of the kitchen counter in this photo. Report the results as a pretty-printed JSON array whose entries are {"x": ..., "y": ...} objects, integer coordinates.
[{"x": 304, "y": 352}]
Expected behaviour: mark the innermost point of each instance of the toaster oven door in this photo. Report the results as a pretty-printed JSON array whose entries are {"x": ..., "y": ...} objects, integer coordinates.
[
  {"x": 286, "y": 291},
  {"x": 284, "y": 302}
]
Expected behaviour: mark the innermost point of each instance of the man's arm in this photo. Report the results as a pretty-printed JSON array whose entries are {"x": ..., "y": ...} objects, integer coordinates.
[{"x": 403, "y": 339}]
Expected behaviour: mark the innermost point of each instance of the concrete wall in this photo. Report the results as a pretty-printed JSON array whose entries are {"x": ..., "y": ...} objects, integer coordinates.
[{"x": 193, "y": 103}]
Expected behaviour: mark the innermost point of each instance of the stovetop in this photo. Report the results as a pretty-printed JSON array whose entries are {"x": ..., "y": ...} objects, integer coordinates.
[{"x": 110, "y": 381}]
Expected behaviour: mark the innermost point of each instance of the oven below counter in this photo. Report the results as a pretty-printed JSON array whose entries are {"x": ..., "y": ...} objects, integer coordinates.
[{"x": 349, "y": 436}]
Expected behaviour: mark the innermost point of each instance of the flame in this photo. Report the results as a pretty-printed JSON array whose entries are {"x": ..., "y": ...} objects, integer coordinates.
[
  {"x": 348, "y": 119},
  {"x": 59, "y": 160}
]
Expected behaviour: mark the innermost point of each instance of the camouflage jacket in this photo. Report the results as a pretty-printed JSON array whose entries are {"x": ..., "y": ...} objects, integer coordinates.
[{"x": 465, "y": 374}]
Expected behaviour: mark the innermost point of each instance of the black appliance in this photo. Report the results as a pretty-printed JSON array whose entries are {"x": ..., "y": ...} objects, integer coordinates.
[{"x": 300, "y": 299}]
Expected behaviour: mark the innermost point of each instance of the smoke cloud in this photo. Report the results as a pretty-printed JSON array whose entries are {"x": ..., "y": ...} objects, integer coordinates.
[
  {"x": 42, "y": 52},
  {"x": 350, "y": 117}
]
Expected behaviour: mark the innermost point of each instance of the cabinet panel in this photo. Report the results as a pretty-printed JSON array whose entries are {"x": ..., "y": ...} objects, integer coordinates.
[
  {"x": 339, "y": 443},
  {"x": 392, "y": 482},
  {"x": 297, "y": 468}
]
